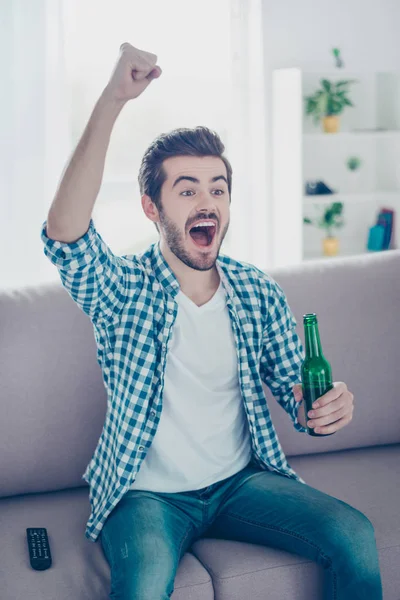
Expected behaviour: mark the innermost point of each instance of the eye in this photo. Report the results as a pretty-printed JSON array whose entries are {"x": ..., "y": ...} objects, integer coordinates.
[{"x": 218, "y": 190}]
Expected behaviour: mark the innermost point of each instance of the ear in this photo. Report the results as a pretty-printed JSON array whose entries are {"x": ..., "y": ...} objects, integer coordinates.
[{"x": 150, "y": 209}]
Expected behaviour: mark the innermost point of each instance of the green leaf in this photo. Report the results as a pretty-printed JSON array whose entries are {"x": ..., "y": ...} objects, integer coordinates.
[
  {"x": 337, "y": 207},
  {"x": 329, "y": 100},
  {"x": 345, "y": 82},
  {"x": 326, "y": 84},
  {"x": 330, "y": 217}
]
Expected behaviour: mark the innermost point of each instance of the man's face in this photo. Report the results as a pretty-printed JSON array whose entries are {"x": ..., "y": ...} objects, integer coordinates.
[{"x": 186, "y": 202}]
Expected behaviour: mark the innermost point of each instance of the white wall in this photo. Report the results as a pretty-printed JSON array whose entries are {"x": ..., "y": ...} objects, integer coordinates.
[{"x": 302, "y": 33}]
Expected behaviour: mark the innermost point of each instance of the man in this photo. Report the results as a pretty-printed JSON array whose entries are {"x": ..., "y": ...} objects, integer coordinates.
[{"x": 185, "y": 339}]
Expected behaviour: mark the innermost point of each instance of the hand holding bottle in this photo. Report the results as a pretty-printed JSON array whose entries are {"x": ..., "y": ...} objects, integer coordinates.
[
  {"x": 327, "y": 406},
  {"x": 334, "y": 410}
]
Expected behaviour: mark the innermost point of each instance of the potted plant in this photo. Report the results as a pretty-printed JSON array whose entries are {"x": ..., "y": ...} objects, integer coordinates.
[
  {"x": 328, "y": 102},
  {"x": 330, "y": 220}
]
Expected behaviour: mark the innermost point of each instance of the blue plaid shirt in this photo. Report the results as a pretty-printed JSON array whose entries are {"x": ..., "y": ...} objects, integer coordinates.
[{"x": 131, "y": 303}]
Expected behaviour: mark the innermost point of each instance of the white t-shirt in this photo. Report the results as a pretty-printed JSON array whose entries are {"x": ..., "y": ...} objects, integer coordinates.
[{"x": 203, "y": 435}]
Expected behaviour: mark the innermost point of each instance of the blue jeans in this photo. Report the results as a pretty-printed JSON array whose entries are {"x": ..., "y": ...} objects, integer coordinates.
[{"x": 147, "y": 533}]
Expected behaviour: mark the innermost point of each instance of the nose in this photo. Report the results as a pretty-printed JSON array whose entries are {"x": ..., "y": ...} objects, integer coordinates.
[{"x": 207, "y": 209}]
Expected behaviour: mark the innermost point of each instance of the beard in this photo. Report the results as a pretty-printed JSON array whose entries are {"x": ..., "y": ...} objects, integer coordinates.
[{"x": 182, "y": 246}]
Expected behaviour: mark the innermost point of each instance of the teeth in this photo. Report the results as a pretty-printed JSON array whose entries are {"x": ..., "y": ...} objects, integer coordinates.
[{"x": 204, "y": 225}]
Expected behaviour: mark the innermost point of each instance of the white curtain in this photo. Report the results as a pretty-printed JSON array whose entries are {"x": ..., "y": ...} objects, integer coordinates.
[
  {"x": 39, "y": 130},
  {"x": 249, "y": 137},
  {"x": 34, "y": 133}
]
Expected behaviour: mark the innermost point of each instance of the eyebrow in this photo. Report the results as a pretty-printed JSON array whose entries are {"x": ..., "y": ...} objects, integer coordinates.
[{"x": 195, "y": 180}]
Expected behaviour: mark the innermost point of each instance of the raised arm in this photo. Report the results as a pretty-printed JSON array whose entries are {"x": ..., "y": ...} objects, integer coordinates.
[
  {"x": 98, "y": 281},
  {"x": 70, "y": 213}
]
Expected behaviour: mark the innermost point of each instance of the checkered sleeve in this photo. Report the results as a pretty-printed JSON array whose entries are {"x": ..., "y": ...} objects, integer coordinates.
[
  {"x": 282, "y": 354},
  {"x": 93, "y": 276}
]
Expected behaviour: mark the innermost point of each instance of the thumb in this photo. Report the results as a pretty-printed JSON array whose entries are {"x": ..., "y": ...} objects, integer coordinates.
[
  {"x": 154, "y": 74},
  {"x": 298, "y": 392}
]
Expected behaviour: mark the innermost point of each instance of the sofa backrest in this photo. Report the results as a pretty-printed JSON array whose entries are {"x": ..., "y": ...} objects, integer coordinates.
[{"x": 53, "y": 401}]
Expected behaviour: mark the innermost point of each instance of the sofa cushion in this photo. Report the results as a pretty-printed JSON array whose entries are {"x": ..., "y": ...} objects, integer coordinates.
[
  {"x": 79, "y": 568},
  {"x": 366, "y": 478}
]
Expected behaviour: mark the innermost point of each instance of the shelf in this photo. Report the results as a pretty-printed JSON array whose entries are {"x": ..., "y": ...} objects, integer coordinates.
[
  {"x": 320, "y": 257},
  {"x": 360, "y": 197},
  {"x": 344, "y": 135},
  {"x": 343, "y": 73},
  {"x": 369, "y": 130}
]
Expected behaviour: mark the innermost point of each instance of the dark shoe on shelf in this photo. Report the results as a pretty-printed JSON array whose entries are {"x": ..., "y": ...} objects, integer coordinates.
[{"x": 314, "y": 188}]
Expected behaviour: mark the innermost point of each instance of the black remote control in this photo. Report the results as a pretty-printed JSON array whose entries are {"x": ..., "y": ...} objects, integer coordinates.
[{"x": 39, "y": 549}]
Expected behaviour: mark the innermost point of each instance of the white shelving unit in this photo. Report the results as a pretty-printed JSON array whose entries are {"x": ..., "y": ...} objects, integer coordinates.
[{"x": 370, "y": 131}]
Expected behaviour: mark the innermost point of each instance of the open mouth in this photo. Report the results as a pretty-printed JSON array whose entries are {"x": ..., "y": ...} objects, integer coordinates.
[{"x": 203, "y": 236}]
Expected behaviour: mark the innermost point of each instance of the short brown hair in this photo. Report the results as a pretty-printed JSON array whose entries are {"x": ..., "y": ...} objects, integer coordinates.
[{"x": 200, "y": 141}]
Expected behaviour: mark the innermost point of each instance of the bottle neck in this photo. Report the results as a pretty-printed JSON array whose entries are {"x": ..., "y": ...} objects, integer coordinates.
[{"x": 312, "y": 341}]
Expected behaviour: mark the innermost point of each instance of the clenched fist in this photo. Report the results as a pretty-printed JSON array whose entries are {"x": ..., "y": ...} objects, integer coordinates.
[{"x": 133, "y": 72}]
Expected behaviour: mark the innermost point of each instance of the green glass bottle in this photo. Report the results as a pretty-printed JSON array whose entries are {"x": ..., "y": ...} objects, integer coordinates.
[{"x": 316, "y": 373}]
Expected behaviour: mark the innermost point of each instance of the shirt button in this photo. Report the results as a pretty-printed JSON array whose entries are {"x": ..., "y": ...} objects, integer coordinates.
[
  {"x": 153, "y": 414},
  {"x": 170, "y": 311},
  {"x": 141, "y": 448}
]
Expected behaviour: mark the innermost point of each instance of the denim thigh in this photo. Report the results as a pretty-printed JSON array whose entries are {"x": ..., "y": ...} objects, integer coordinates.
[
  {"x": 273, "y": 510},
  {"x": 147, "y": 533},
  {"x": 143, "y": 539}
]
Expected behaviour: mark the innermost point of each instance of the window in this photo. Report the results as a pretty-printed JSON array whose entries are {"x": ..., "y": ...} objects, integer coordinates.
[{"x": 192, "y": 42}]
